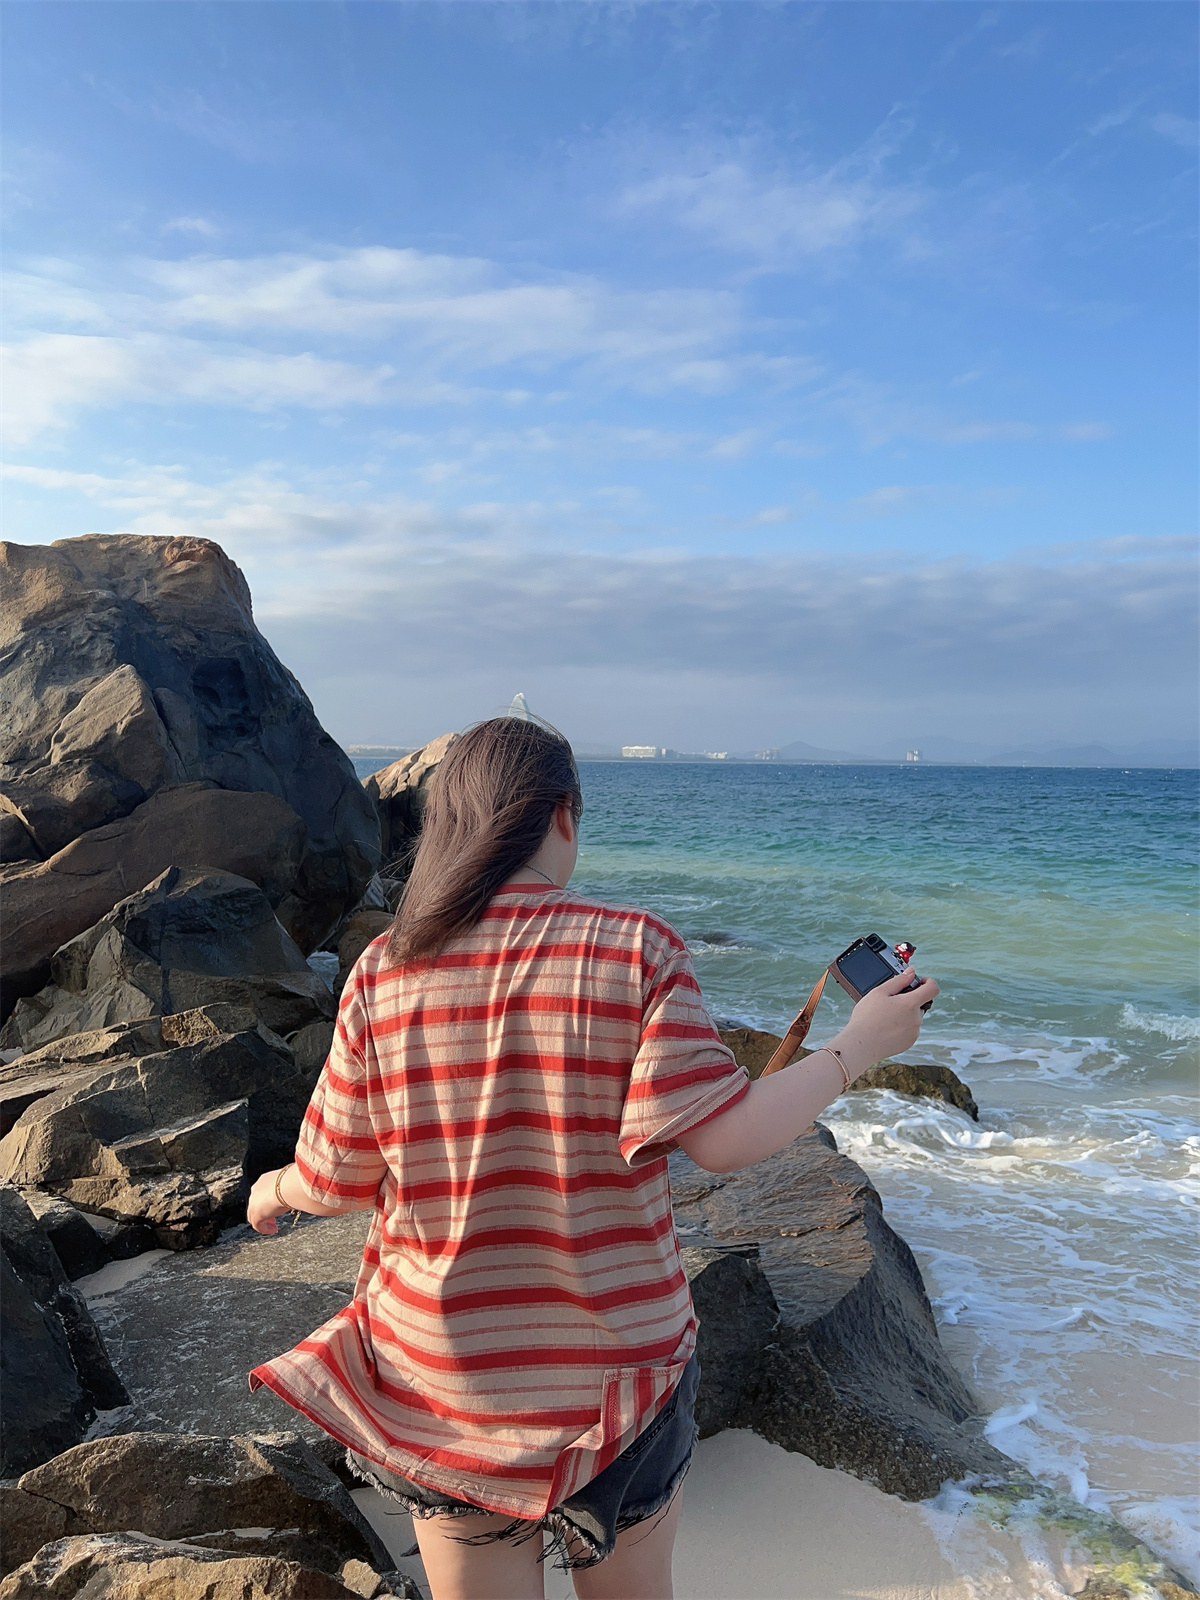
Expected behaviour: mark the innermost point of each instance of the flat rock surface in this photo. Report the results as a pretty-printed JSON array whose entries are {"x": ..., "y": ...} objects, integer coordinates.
[{"x": 185, "y": 1335}]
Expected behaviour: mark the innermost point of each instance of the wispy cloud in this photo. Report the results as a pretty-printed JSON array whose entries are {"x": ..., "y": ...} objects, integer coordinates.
[
  {"x": 47, "y": 379},
  {"x": 1183, "y": 131},
  {"x": 210, "y": 329},
  {"x": 741, "y": 200}
]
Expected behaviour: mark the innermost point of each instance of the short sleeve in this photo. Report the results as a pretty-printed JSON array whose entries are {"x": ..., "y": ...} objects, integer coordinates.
[
  {"x": 337, "y": 1154},
  {"x": 682, "y": 1074}
]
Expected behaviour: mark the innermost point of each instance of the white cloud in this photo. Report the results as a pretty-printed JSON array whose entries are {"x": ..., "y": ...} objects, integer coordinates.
[
  {"x": 1183, "y": 131},
  {"x": 48, "y": 378},
  {"x": 201, "y": 226},
  {"x": 166, "y": 329},
  {"x": 773, "y": 216}
]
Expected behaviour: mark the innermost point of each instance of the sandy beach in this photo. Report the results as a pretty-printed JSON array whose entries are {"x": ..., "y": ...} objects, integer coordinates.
[{"x": 760, "y": 1523}]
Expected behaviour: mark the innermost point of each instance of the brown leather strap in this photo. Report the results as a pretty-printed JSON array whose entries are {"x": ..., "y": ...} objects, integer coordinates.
[{"x": 797, "y": 1033}]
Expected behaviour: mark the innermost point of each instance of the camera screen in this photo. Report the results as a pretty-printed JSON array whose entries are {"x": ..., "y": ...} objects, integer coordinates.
[{"x": 864, "y": 969}]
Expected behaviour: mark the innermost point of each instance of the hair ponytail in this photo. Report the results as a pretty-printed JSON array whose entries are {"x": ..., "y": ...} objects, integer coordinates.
[{"x": 491, "y": 804}]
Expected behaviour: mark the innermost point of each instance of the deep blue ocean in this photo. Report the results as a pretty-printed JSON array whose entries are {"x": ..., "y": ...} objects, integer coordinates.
[{"x": 1058, "y": 909}]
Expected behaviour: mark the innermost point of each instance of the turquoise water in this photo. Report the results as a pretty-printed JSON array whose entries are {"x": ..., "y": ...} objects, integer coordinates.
[{"x": 1058, "y": 911}]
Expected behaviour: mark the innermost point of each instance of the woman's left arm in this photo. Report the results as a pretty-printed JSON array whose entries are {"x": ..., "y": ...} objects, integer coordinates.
[{"x": 282, "y": 1190}]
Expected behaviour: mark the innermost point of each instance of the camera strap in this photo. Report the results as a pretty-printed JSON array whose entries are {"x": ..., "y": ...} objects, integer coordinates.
[{"x": 798, "y": 1032}]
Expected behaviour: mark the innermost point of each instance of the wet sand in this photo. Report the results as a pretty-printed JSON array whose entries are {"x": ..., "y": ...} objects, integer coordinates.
[{"x": 760, "y": 1523}]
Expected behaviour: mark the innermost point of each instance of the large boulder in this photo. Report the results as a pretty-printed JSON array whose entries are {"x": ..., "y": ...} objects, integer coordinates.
[
  {"x": 264, "y": 1495},
  {"x": 853, "y": 1374},
  {"x": 400, "y": 792},
  {"x": 54, "y": 1370},
  {"x": 131, "y": 1566},
  {"x": 47, "y": 903},
  {"x": 170, "y": 1139},
  {"x": 190, "y": 938},
  {"x": 132, "y": 665}
]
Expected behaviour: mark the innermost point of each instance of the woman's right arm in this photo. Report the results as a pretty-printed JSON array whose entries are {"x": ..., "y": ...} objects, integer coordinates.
[{"x": 778, "y": 1109}]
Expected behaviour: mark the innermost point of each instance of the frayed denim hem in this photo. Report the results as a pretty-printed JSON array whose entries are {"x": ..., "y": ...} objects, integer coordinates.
[{"x": 557, "y": 1523}]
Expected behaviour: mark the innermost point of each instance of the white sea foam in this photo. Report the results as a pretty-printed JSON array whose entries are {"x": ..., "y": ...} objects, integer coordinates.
[
  {"x": 1056, "y": 1242},
  {"x": 1177, "y": 1029}
]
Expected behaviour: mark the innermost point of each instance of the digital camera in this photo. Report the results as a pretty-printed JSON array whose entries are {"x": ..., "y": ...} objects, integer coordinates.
[{"x": 870, "y": 961}]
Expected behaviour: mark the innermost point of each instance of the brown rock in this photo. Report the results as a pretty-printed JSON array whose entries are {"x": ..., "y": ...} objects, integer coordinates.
[
  {"x": 27, "y": 1522},
  {"x": 40, "y": 1071},
  {"x": 360, "y": 930},
  {"x": 752, "y": 1048},
  {"x": 130, "y": 1566},
  {"x": 117, "y": 724},
  {"x": 55, "y": 804},
  {"x": 184, "y": 1486},
  {"x": 920, "y": 1078},
  {"x": 400, "y": 792}
]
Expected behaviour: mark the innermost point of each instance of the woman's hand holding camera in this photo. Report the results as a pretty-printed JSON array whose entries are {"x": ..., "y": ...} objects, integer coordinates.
[
  {"x": 884, "y": 1022},
  {"x": 777, "y": 1108}
]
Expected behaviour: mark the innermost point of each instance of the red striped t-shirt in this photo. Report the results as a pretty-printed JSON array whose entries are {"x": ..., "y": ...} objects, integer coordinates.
[{"x": 521, "y": 1312}]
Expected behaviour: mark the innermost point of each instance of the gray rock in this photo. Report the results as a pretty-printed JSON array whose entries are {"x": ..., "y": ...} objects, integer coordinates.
[
  {"x": 55, "y": 1370},
  {"x": 738, "y": 1316},
  {"x": 189, "y": 939},
  {"x": 185, "y": 1335},
  {"x": 133, "y": 663},
  {"x": 16, "y": 841},
  {"x": 47, "y": 903},
  {"x": 78, "y": 1245},
  {"x": 216, "y": 1491},
  {"x": 400, "y": 792},
  {"x": 169, "y": 1139},
  {"x": 55, "y": 804},
  {"x": 131, "y": 1566},
  {"x": 854, "y": 1375},
  {"x": 38, "y": 1072}
]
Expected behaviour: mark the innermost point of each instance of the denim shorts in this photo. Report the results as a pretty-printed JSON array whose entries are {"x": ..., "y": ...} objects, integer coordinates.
[{"x": 641, "y": 1482}]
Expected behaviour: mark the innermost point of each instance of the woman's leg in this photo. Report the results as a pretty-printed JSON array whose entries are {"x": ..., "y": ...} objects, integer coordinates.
[
  {"x": 640, "y": 1566},
  {"x": 457, "y": 1571}
]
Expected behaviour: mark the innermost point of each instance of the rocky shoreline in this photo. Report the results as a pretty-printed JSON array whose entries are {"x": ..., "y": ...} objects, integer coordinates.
[{"x": 179, "y": 835}]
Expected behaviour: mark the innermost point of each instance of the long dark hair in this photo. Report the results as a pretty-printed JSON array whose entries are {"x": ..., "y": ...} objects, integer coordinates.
[{"x": 491, "y": 803}]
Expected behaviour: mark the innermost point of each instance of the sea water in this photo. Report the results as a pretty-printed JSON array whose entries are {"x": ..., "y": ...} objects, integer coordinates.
[{"x": 1058, "y": 910}]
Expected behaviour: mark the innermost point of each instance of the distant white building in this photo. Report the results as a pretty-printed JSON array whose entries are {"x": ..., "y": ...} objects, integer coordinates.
[
  {"x": 766, "y": 755},
  {"x": 641, "y": 752},
  {"x": 912, "y": 755},
  {"x": 717, "y": 755}
]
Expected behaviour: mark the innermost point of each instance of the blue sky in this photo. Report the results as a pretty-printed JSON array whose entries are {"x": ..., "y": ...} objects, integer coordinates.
[{"x": 718, "y": 375}]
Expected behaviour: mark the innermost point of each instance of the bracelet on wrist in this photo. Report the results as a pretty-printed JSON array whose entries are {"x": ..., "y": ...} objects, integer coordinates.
[
  {"x": 279, "y": 1200},
  {"x": 837, "y": 1056}
]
